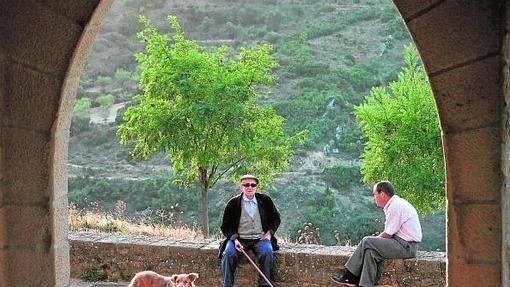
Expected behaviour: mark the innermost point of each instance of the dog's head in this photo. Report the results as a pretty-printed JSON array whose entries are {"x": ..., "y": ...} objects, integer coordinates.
[{"x": 183, "y": 280}]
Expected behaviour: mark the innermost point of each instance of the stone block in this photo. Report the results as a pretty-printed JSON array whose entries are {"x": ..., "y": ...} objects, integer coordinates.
[
  {"x": 475, "y": 235},
  {"x": 33, "y": 234},
  {"x": 410, "y": 9},
  {"x": 472, "y": 159},
  {"x": 487, "y": 275},
  {"x": 60, "y": 222},
  {"x": 82, "y": 51},
  {"x": 469, "y": 97},
  {"x": 24, "y": 88},
  {"x": 447, "y": 36},
  {"x": 29, "y": 35},
  {"x": 25, "y": 167},
  {"x": 79, "y": 10},
  {"x": 17, "y": 263},
  {"x": 4, "y": 63}
]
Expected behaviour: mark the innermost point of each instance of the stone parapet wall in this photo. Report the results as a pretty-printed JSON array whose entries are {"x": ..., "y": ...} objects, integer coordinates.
[{"x": 119, "y": 257}]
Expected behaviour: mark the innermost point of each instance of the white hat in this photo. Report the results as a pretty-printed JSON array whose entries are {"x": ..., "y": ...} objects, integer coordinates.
[{"x": 246, "y": 176}]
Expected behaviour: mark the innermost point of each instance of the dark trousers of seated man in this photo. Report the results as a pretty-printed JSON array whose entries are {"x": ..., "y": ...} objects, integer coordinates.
[
  {"x": 372, "y": 250},
  {"x": 263, "y": 251}
]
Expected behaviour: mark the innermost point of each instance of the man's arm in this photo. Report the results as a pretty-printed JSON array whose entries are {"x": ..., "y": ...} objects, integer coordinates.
[
  {"x": 227, "y": 224},
  {"x": 385, "y": 235}
]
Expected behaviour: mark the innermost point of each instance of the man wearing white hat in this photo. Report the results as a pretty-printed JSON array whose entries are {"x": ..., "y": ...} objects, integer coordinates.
[{"x": 249, "y": 222}]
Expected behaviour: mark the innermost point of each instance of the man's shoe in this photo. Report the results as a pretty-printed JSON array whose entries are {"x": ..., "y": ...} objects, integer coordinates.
[{"x": 345, "y": 279}]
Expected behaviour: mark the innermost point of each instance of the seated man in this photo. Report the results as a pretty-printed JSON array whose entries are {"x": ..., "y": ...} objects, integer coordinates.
[
  {"x": 400, "y": 238},
  {"x": 250, "y": 220}
]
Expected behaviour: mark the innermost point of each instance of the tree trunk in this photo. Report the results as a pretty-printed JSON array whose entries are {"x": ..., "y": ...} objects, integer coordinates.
[{"x": 204, "y": 188}]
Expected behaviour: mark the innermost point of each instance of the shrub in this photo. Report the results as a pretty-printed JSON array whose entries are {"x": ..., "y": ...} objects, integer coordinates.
[
  {"x": 93, "y": 274},
  {"x": 333, "y": 219},
  {"x": 79, "y": 125},
  {"x": 103, "y": 81},
  {"x": 122, "y": 76},
  {"x": 105, "y": 101},
  {"x": 340, "y": 176},
  {"x": 82, "y": 108}
]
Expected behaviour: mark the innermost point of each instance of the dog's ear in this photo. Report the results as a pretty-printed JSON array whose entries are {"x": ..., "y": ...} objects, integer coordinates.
[
  {"x": 192, "y": 276},
  {"x": 173, "y": 278}
]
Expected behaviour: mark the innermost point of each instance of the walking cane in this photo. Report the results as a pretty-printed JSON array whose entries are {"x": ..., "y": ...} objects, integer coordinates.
[{"x": 256, "y": 267}]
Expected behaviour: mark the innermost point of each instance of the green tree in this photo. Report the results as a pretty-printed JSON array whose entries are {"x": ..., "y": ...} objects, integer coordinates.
[
  {"x": 403, "y": 144},
  {"x": 200, "y": 108},
  {"x": 105, "y": 101},
  {"x": 82, "y": 108},
  {"x": 81, "y": 115}
]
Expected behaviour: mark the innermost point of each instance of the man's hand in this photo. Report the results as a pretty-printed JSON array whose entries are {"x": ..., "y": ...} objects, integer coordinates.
[
  {"x": 238, "y": 245},
  {"x": 384, "y": 235},
  {"x": 266, "y": 236}
]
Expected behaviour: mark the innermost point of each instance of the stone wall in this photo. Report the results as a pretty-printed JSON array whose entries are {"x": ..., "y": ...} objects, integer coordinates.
[
  {"x": 118, "y": 257},
  {"x": 505, "y": 159}
]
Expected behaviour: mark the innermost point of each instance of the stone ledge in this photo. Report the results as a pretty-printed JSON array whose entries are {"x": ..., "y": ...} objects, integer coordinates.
[{"x": 119, "y": 256}]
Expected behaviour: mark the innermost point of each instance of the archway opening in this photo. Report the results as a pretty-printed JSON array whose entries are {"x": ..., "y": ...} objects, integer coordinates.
[{"x": 325, "y": 70}]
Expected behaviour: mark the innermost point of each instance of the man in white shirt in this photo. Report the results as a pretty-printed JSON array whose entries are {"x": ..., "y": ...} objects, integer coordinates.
[{"x": 400, "y": 238}]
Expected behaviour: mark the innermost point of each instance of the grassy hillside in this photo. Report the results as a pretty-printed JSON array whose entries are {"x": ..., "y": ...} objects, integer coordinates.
[{"x": 330, "y": 54}]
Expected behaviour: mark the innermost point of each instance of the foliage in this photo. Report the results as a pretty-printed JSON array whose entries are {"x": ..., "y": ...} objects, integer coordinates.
[
  {"x": 105, "y": 101},
  {"x": 103, "y": 81},
  {"x": 82, "y": 107},
  {"x": 434, "y": 231},
  {"x": 200, "y": 107},
  {"x": 80, "y": 119},
  {"x": 122, "y": 75},
  {"x": 403, "y": 137},
  {"x": 156, "y": 193},
  {"x": 93, "y": 274},
  {"x": 334, "y": 220},
  {"x": 146, "y": 223},
  {"x": 341, "y": 176}
]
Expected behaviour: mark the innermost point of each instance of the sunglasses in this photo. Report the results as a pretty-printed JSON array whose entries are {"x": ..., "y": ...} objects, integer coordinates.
[{"x": 249, "y": 184}]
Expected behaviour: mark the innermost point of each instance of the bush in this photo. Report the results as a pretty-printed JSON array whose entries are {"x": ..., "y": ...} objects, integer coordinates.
[
  {"x": 334, "y": 222},
  {"x": 82, "y": 108},
  {"x": 155, "y": 193},
  {"x": 93, "y": 274},
  {"x": 79, "y": 125},
  {"x": 105, "y": 101},
  {"x": 341, "y": 177},
  {"x": 122, "y": 76},
  {"x": 103, "y": 81},
  {"x": 272, "y": 37}
]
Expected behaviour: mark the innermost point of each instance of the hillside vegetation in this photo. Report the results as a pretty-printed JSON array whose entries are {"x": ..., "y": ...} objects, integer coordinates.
[{"x": 330, "y": 54}]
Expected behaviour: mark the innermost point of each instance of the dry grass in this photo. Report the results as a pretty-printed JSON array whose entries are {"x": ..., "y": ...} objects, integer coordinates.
[{"x": 87, "y": 220}]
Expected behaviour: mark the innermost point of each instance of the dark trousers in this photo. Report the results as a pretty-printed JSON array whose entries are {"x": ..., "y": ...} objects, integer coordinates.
[{"x": 263, "y": 251}]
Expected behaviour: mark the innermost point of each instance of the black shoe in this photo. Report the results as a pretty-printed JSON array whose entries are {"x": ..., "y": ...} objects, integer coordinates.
[{"x": 345, "y": 279}]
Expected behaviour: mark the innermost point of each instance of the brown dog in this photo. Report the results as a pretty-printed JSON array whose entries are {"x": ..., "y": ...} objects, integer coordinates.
[{"x": 153, "y": 279}]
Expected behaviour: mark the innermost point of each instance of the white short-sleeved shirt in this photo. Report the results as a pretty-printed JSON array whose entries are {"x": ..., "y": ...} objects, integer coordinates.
[{"x": 402, "y": 219}]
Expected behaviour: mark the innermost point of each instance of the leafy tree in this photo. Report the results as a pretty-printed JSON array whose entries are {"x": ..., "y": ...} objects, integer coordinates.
[
  {"x": 403, "y": 136},
  {"x": 105, "y": 101},
  {"x": 81, "y": 115},
  {"x": 82, "y": 107},
  {"x": 200, "y": 108}
]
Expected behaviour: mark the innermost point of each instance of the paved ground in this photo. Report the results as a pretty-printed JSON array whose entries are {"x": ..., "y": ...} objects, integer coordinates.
[{"x": 79, "y": 283}]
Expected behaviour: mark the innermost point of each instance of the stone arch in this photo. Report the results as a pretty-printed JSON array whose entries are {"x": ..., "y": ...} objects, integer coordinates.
[
  {"x": 43, "y": 46},
  {"x": 463, "y": 61}
]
